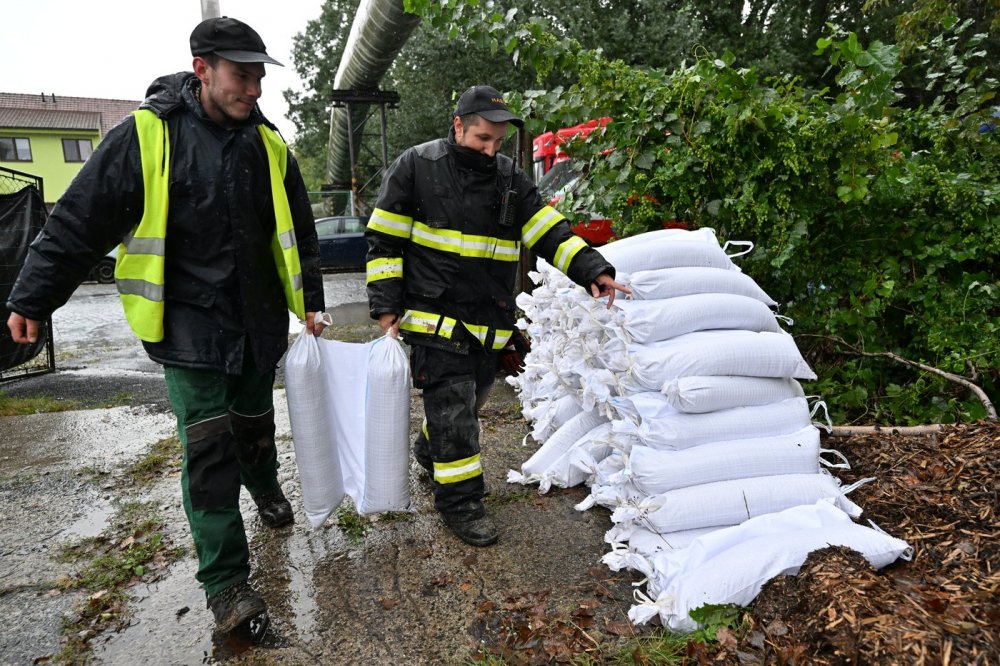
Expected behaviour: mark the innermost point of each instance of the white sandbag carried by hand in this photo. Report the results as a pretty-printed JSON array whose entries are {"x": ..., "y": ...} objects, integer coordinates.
[
  {"x": 363, "y": 404},
  {"x": 686, "y": 280},
  {"x": 662, "y": 319},
  {"x": 731, "y": 566},
  {"x": 725, "y": 503},
  {"x": 316, "y": 456},
  {"x": 701, "y": 394},
  {"x": 387, "y": 429},
  {"x": 654, "y": 471},
  {"x": 743, "y": 353}
]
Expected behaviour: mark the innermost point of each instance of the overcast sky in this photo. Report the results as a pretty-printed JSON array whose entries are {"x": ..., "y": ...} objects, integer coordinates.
[{"x": 115, "y": 48}]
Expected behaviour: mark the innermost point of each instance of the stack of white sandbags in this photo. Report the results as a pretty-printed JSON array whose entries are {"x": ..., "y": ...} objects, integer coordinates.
[{"x": 680, "y": 408}]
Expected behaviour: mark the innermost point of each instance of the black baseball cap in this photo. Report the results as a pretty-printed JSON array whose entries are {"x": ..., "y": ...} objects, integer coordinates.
[
  {"x": 487, "y": 102},
  {"x": 231, "y": 39}
]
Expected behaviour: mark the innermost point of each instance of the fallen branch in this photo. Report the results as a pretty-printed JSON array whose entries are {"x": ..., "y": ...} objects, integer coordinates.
[
  {"x": 908, "y": 431},
  {"x": 991, "y": 412}
]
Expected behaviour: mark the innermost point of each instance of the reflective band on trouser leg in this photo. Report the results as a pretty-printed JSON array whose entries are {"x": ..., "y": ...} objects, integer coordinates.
[
  {"x": 283, "y": 245},
  {"x": 457, "y": 470},
  {"x": 566, "y": 251},
  {"x": 384, "y": 269}
]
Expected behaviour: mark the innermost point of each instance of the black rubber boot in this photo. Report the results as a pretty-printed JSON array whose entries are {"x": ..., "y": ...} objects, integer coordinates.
[
  {"x": 238, "y": 605},
  {"x": 472, "y": 525},
  {"x": 274, "y": 509}
]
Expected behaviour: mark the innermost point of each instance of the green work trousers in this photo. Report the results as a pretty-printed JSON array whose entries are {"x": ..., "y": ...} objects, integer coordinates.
[{"x": 226, "y": 424}]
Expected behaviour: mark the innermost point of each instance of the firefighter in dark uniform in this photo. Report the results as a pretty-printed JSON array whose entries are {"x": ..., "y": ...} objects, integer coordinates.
[{"x": 444, "y": 241}]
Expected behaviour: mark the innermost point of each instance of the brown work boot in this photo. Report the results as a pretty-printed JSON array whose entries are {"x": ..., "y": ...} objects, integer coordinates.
[
  {"x": 478, "y": 531},
  {"x": 238, "y": 605},
  {"x": 274, "y": 509}
]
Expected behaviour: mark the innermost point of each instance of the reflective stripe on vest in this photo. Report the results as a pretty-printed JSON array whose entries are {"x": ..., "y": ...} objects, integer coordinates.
[
  {"x": 283, "y": 246},
  {"x": 140, "y": 265},
  {"x": 139, "y": 270}
]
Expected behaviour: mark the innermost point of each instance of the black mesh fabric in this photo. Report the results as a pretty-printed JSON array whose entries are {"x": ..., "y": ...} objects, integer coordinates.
[{"x": 22, "y": 214}]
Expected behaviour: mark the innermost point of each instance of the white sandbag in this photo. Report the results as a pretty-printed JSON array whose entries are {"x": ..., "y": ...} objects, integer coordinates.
[
  {"x": 387, "y": 429},
  {"x": 549, "y": 415},
  {"x": 743, "y": 353},
  {"x": 313, "y": 435},
  {"x": 703, "y": 234},
  {"x": 701, "y": 394},
  {"x": 662, "y": 319},
  {"x": 725, "y": 503},
  {"x": 654, "y": 471},
  {"x": 648, "y": 543},
  {"x": 363, "y": 406},
  {"x": 555, "y": 447},
  {"x": 580, "y": 460},
  {"x": 665, "y": 253},
  {"x": 730, "y": 566},
  {"x": 663, "y": 429},
  {"x": 683, "y": 281}
]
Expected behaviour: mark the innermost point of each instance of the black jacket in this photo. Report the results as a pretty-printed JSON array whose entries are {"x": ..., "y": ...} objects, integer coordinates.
[
  {"x": 223, "y": 297},
  {"x": 452, "y": 190}
]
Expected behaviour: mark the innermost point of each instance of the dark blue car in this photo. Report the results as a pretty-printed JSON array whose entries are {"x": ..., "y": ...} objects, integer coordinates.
[{"x": 342, "y": 245}]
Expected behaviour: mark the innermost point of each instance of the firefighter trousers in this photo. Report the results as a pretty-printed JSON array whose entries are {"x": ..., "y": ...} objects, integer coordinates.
[
  {"x": 455, "y": 386},
  {"x": 226, "y": 426}
]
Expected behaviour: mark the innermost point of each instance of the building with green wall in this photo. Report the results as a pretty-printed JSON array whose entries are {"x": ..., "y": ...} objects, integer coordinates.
[{"x": 49, "y": 136}]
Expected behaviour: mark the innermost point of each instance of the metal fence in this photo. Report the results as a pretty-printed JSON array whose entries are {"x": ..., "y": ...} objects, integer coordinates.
[{"x": 22, "y": 214}]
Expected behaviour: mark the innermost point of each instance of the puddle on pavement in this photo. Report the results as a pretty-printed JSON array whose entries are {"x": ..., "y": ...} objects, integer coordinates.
[
  {"x": 171, "y": 625},
  {"x": 99, "y": 513},
  {"x": 101, "y": 437}
]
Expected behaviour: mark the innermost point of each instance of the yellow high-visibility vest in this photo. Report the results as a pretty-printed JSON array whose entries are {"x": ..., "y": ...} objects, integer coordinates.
[{"x": 139, "y": 270}]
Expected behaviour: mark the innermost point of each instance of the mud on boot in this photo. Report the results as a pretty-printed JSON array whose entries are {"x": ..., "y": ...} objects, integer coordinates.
[
  {"x": 274, "y": 509},
  {"x": 239, "y": 605},
  {"x": 475, "y": 530}
]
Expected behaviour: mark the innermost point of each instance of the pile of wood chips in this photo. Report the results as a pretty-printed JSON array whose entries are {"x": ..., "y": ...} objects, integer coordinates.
[{"x": 940, "y": 494}]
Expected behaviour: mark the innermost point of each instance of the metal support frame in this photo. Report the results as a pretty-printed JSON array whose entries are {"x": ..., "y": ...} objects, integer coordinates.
[{"x": 367, "y": 166}]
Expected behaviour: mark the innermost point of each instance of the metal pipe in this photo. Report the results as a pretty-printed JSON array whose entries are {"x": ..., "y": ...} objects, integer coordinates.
[{"x": 379, "y": 31}]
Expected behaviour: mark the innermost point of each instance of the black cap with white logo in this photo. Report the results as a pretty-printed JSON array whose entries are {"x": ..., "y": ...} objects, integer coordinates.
[
  {"x": 487, "y": 102},
  {"x": 231, "y": 39}
]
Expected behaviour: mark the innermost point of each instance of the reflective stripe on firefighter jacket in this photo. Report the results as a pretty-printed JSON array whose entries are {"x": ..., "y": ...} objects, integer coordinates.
[
  {"x": 439, "y": 254},
  {"x": 139, "y": 270}
]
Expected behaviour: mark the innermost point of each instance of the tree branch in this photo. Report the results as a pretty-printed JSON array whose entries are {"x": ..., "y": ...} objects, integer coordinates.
[
  {"x": 991, "y": 412},
  {"x": 908, "y": 431}
]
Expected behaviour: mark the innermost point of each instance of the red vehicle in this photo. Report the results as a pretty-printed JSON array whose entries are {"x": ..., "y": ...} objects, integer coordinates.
[{"x": 555, "y": 174}]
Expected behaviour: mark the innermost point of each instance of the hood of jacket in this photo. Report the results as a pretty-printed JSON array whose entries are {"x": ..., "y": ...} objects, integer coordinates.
[{"x": 166, "y": 94}]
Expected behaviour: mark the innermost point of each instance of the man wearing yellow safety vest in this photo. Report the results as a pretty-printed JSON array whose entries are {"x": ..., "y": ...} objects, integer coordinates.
[
  {"x": 217, "y": 244},
  {"x": 443, "y": 246}
]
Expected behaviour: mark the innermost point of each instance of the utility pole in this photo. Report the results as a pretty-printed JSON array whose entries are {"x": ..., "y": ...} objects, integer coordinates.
[{"x": 210, "y": 9}]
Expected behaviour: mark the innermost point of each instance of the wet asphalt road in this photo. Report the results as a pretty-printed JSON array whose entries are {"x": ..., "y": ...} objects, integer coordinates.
[{"x": 408, "y": 592}]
